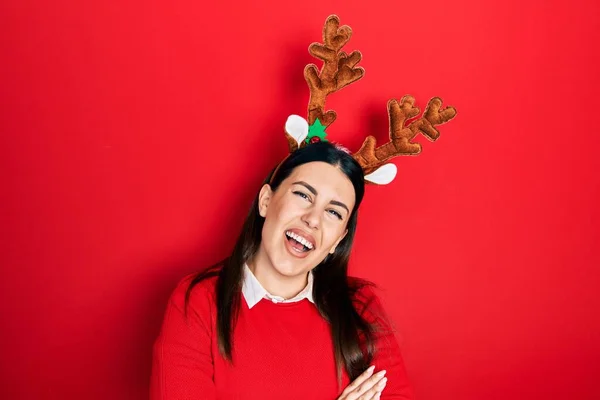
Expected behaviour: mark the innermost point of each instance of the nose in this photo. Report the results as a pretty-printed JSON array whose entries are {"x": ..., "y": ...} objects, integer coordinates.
[{"x": 312, "y": 218}]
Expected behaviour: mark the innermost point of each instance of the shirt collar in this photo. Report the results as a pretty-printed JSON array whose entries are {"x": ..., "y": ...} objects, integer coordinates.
[{"x": 254, "y": 292}]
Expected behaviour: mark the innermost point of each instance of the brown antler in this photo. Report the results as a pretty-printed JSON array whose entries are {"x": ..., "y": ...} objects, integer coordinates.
[
  {"x": 339, "y": 70},
  {"x": 371, "y": 158}
]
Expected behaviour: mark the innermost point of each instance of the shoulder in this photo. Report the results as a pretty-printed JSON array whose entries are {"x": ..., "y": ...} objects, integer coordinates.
[
  {"x": 190, "y": 310},
  {"x": 362, "y": 290},
  {"x": 196, "y": 291},
  {"x": 367, "y": 301}
]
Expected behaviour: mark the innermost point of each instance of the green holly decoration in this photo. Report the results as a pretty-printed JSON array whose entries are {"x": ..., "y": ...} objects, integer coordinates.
[{"x": 316, "y": 132}]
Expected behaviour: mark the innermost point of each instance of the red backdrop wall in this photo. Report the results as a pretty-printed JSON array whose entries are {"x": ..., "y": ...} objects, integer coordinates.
[{"x": 135, "y": 134}]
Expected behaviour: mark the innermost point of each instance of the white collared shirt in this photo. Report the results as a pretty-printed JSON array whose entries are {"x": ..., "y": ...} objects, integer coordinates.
[{"x": 254, "y": 292}]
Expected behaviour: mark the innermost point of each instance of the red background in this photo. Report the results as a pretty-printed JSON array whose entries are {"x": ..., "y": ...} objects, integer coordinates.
[{"x": 135, "y": 134}]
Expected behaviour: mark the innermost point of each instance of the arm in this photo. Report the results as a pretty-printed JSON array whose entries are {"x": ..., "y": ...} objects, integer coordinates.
[
  {"x": 387, "y": 355},
  {"x": 182, "y": 365}
]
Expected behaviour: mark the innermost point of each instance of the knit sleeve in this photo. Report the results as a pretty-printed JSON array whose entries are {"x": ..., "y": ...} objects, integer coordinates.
[
  {"x": 182, "y": 365},
  {"x": 387, "y": 355}
]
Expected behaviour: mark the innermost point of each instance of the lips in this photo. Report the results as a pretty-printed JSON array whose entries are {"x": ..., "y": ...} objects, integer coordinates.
[
  {"x": 296, "y": 245},
  {"x": 303, "y": 236}
]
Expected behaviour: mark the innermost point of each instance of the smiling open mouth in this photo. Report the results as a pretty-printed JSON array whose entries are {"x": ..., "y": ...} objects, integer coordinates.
[{"x": 298, "y": 243}]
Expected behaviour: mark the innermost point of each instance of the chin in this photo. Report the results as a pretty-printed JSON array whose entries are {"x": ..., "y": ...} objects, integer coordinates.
[{"x": 291, "y": 268}]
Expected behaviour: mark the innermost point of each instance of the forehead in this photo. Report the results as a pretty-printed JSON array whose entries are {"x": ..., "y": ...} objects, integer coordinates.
[{"x": 327, "y": 179}]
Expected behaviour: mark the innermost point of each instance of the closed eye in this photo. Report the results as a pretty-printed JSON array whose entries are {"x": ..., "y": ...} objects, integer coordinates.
[
  {"x": 302, "y": 194},
  {"x": 336, "y": 214}
]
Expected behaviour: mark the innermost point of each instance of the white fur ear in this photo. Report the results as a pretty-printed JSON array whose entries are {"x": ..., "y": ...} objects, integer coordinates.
[
  {"x": 383, "y": 175},
  {"x": 297, "y": 127}
]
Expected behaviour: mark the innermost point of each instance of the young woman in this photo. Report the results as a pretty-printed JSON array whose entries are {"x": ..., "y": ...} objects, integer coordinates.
[{"x": 280, "y": 318}]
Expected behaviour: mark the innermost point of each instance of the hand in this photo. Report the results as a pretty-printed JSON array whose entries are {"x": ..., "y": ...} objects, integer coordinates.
[{"x": 366, "y": 387}]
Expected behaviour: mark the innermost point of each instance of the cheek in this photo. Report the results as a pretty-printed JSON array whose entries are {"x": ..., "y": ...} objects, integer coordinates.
[
  {"x": 273, "y": 223},
  {"x": 332, "y": 234},
  {"x": 269, "y": 229},
  {"x": 284, "y": 211}
]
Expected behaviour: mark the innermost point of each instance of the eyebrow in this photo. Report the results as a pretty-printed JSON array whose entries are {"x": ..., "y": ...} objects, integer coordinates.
[{"x": 314, "y": 192}]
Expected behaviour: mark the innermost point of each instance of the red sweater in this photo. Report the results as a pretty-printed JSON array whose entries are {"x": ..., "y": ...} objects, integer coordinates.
[{"x": 281, "y": 351}]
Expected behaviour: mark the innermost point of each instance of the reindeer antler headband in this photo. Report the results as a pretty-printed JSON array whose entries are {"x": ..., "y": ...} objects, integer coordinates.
[{"x": 339, "y": 70}]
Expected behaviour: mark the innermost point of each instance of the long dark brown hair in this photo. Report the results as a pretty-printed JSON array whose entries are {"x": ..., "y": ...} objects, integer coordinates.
[{"x": 333, "y": 292}]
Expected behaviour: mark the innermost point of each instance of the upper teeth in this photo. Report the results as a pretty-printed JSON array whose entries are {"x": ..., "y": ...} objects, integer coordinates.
[{"x": 300, "y": 239}]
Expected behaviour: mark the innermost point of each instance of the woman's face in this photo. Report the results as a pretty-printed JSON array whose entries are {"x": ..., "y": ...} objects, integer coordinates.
[{"x": 306, "y": 218}]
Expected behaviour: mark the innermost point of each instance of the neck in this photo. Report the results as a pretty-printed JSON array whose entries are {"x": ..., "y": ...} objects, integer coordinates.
[{"x": 274, "y": 282}]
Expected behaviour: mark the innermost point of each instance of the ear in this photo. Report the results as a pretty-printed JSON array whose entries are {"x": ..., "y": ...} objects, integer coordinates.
[
  {"x": 338, "y": 242},
  {"x": 264, "y": 198}
]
